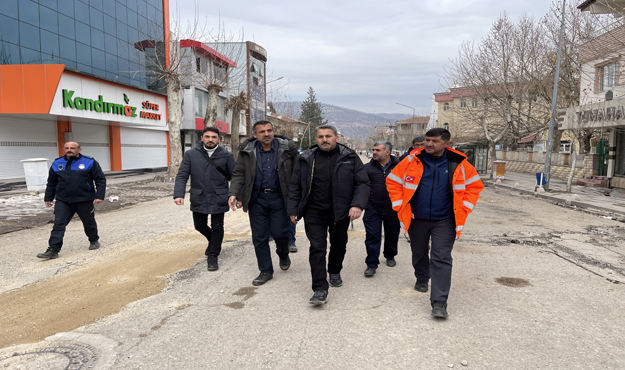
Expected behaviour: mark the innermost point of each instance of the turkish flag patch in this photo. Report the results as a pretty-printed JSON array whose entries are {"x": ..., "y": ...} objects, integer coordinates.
[{"x": 409, "y": 179}]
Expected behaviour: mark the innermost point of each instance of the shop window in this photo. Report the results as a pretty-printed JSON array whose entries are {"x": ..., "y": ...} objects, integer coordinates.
[
  {"x": 9, "y": 29},
  {"x": 607, "y": 76},
  {"x": 619, "y": 168},
  {"x": 67, "y": 48},
  {"x": 446, "y": 107},
  {"x": 29, "y": 12},
  {"x": 48, "y": 19},
  {"x": 83, "y": 33},
  {"x": 96, "y": 19}
]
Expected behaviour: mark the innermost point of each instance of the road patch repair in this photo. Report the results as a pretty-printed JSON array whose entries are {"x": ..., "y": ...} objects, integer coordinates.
[{"x": 89, "y": 292}]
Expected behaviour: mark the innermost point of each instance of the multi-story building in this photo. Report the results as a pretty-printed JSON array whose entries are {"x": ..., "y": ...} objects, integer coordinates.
[
  {"x": 252, "y": 60},
  {"x": 602, "y": 98},
  {"x": 450, "y": 106},
  {"x": 69, "y": 70},
  {"x": 408, "y": 129},
  {"x": 206, "y": 66}
]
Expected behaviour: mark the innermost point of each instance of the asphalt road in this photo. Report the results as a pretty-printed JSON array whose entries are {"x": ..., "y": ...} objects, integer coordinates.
[{"x": 534, "y": 286}]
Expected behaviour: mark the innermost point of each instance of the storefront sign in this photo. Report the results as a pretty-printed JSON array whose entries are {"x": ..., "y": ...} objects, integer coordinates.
[
  {"x": 601, "y": 114},
  {"x": 100, "y": 106}
]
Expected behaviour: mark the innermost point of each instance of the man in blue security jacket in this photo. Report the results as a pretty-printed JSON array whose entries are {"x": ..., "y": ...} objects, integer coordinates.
[{"x": 77, "y": 182}]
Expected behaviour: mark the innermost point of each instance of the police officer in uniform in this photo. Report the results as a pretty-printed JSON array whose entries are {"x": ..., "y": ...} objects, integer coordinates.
[{"x": 78, "y": 183}]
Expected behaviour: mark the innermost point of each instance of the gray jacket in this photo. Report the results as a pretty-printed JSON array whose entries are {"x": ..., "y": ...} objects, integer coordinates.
[
  {"x": 209, "y": 188},
  {"x": 244, "y": 173}
]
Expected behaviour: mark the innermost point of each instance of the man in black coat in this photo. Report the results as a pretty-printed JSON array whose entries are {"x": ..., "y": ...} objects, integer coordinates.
[
  {"x": 329, "y": 188},
  {"x": 379, "y": 211},
  {"x": 210, "y": 167},
  {"x": 78, "y": 183},
  {"x": 260, "y": 184}
]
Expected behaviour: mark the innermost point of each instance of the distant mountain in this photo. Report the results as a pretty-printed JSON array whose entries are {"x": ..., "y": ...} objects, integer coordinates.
[{"x": 352, "y": 123}]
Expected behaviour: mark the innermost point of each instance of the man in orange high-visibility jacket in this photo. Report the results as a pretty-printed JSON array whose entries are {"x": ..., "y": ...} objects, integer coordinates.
[{"x": 433, "y": 190}]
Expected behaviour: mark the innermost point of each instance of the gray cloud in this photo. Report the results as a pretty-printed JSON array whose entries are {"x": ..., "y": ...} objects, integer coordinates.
[{"x": 363, "y": 55}]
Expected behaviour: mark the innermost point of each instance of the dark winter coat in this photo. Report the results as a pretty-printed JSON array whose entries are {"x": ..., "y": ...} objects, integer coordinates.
[
  {"x": 209, "y": 188},
  {"x": 350, "y": 183},
  {"x": 75, "y": 179},
  {"x": 244, "y": 174},
  {"x": 379, "y": 199}
]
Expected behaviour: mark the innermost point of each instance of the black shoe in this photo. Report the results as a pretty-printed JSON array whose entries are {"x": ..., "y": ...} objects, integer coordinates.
[
  {"x": 335, "y": 280},
  {"x": 49, "y": 254},
  {"x": 439, "y": 309},
  {"x": 320, "y": 297},
  {"x": 292, "y": 248},
  {"x": 94, "y": 245},
  {"x": 390, "y": 262},
  {"x": 285, "y": 263},
  {"x": 421, "y": 286},
  {"x": 262, "y": 278},
  {"x": 206, "y": 252},
  {"x": 212, "y": 263},
  {"x": 370, "y": 271}
]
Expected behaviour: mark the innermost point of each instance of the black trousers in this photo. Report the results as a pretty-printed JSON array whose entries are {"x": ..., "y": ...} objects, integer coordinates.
[
  {"x": 438, "y": 267},
  {"x": 214, "y": 234},
  {"x": 63, "y": 213},
  {"x": 268, "y": 217},
  {"x": 317, "y": 224},
  {"x": 373, "y": 221}
]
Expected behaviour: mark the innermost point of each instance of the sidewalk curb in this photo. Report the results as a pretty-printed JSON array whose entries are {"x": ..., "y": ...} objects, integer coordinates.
[{"x": 557, "y": 200}]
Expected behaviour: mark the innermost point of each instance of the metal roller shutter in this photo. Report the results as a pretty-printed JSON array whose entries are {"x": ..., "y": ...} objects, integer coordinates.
[
  {"x": 94, "y": 140},
  {"x": 25, "y": 137},
  {"x": 143, "y": 148}
]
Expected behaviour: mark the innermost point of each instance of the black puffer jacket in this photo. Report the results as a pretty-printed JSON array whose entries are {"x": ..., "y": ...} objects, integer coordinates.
[
  {"x": 350, "y": 183},
  {"x": 244, "y": 173},
  {"x": 209, "y": 188},
  {"x": 379, "y": 199}
]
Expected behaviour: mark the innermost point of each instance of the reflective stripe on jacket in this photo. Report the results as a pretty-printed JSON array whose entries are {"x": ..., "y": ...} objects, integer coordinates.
[{"x": 404, "y": 180}]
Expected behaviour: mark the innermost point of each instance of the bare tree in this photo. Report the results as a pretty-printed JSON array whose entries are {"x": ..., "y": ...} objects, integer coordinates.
[
  {"x": 163, "y": 63},
  {"x": 237, "y": 104}
]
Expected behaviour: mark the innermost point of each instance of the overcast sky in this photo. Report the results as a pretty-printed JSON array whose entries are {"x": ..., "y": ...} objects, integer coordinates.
[{"x": 363, "y": 55}]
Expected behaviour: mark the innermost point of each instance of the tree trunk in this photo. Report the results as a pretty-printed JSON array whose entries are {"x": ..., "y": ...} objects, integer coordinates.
[
  {"x": 557, "y": 136},
  {"x": 211, "y": 108},
  {"x": 234, "y": 132},
  {"x": 175, "y": 144},
  {"x": 569, "y": 180}
]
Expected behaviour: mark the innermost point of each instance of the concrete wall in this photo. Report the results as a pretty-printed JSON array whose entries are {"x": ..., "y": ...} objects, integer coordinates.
[{"x": 533, "y": 162}]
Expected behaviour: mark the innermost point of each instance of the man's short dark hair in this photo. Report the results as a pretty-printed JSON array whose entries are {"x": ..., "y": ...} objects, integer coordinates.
[
  {"x": 211, "y": 129},
  {"x": 419, "y": 139},
  {"x": 387, "y": 145},
  {"x": 327, "y": 127},
  {"x": 445, "y": 135},
  {"x": 261, "y": 123}
]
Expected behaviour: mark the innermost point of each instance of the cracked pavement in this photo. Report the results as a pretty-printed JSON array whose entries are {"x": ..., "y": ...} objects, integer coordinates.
[{"x": 535, "y": 285}]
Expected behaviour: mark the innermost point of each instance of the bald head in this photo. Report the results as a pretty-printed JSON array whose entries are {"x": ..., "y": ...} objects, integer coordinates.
[{"x": 72, "y": 149}]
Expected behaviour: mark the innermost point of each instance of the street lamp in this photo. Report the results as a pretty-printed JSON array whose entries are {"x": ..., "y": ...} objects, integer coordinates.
[{"x": 279, "y": 78}]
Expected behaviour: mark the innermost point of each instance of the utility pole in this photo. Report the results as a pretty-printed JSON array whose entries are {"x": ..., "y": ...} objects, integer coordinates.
[{"x": 554, "y": 101}]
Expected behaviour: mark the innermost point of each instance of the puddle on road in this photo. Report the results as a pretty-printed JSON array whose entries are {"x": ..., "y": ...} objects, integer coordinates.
[
  {"x": 246, "y": 293},
  {"x": 513, "y": 282}
]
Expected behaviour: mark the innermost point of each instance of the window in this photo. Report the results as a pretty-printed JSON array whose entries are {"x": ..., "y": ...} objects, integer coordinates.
[
  {"x": 619, "y": 168},
  {"x": 474, "y": 102},
  {"x": 446, "y": 126},
  {"x": 463, "y": 103},
  {"x": 607, "y": 75},
  {"x": 446, "y": 107},
  {"x": 201, "y": 102},
  {"x": 198, "y": 64}
]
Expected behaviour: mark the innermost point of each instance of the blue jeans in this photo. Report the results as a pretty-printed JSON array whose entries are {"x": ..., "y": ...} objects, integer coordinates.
[
  {"x": 374, "y": 221},
  {"x": 268, "y": 217}
]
